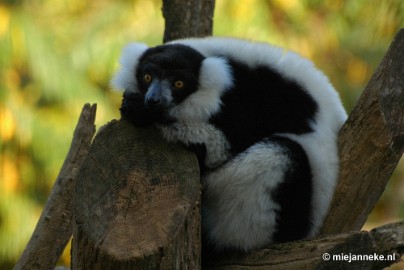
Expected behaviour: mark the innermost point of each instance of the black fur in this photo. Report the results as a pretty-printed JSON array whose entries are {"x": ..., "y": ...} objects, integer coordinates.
[
  {"x": 171, "y": 62},
  {"x": 294, "y": 195},
  {"x": 260, "y": 104},
  {"x": 167, "y": 62},
  {"x": 134, "y": 110},
  {"x": 200, "y": 151}
]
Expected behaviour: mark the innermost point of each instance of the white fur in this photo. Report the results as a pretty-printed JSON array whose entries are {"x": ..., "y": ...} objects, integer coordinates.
[
  {"x": 237, "y": 208},
  {"x": 125, "y": 79},
  {"x": 215, "y": 77}
]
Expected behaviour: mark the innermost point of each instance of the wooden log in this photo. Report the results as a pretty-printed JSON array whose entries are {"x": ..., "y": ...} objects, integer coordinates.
[
  {"x": 136, "y": 203},
  {"x": 187, "y": 18},
  {"x": 376, "y": 249},
  {"x": 54, "y": 227},
  {"x": 371, "y": 144}
]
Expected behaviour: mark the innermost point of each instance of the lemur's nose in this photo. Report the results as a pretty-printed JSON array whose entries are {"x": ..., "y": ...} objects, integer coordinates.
[
  {"x": 153, "y": 95},
  {"x": 152, "y": 101}
]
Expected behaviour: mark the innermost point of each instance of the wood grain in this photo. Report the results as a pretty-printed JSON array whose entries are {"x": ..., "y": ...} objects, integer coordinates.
[{"x": 137, "y": 203}]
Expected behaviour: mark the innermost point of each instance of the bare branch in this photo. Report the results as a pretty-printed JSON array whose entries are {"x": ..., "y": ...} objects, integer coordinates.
[
  {"x": 313, "y": 254},
  {"x": 54, "y": 227},
  {"x": 371, "y": 144}
]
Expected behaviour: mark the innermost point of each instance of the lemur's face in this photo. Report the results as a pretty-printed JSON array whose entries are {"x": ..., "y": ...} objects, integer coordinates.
[
  {"x": 167, "y": 74},
  {"x": 171, "y": 83}
]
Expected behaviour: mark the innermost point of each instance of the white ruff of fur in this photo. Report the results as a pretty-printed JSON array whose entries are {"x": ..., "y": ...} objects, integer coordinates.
[{"x": 214, "y": 79}]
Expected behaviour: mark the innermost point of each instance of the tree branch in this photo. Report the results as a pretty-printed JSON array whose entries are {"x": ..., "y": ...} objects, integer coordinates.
[
  {"x": 312, "y": 254},
  {"x": 54, "y": 227},
  {"x": 371, "y": 144}
]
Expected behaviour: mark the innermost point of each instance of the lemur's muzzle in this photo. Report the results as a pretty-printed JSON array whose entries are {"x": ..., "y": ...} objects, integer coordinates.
[{"x": 154, "y": 95}]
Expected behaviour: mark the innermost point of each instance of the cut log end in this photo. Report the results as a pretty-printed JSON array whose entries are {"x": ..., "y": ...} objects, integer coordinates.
[{"x": 134, "y": 194}]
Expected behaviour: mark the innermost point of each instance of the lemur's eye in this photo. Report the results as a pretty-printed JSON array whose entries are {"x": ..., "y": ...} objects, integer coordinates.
[
  {"x": 179, "y": 84},
  {"x": 147, "y": 78}
]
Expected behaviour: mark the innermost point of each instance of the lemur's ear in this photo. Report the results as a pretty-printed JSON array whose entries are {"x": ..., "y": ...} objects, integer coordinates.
[
  {"x": 125, "y": 79},
  {"x": 215, "y": 74}
]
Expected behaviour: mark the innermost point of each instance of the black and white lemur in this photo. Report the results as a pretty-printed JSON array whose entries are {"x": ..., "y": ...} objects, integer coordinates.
[{"x": 263, "y": 122}]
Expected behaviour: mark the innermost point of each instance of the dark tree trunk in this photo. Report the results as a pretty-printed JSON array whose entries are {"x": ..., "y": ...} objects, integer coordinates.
[{"x": 187, "y": 18}]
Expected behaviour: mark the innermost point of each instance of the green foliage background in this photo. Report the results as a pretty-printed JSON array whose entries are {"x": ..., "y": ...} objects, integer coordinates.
[{"x": 57, "y": 55}]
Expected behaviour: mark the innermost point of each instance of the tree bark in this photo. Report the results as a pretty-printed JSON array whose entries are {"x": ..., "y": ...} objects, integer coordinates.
[
  {"x": 371, "y": 144},
  {"x": 137, "y": 203},
  {"x": 55, "y": 227},
  {"x": 331, "y": 252},
  {"x": 187, "y": 18}
]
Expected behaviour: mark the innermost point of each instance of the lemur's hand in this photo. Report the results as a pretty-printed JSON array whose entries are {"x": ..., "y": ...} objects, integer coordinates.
[{"x": 134, "y": 110}]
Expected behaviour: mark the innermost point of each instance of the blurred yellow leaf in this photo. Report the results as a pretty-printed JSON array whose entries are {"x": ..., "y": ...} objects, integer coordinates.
[
  {"x": 357, "y": 71},
  {"x": 286, "y": 4},
  {"x": 9, "y": 176},
  {"x": 7, "y": 124},
  {"x": 4, "y": 20},
  {"x": 245, "y": 11}
]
